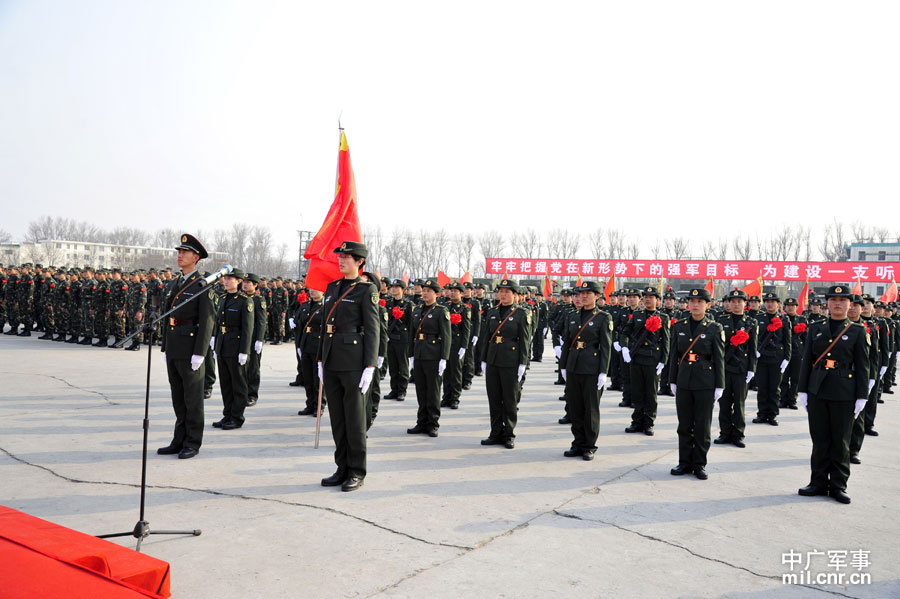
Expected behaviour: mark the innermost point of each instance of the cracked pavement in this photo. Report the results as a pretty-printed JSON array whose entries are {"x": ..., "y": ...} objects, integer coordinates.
[{"x": 443, "y": 517}]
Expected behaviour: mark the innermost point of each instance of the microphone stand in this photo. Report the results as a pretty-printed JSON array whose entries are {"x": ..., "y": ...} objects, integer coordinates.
[{"x": 142, "y": 529}]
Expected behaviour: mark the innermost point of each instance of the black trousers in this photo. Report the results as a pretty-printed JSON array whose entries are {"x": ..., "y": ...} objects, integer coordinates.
[
  {"x": 615, "y": 370},
  {"x": 428, "y": 393},
  {"x": 627, "y": 391},
  {"x": 311, "y": 378},
  {"x": 768, "y": 379},
  {"x": 187, "y": 401},
  {"x": 731, "y": 406},
  {"x": 830, "y": 427},
  {"x": 583, "y": 408},
  {"x": 300, "y": 374},
  {"x": 453, "y": 376},
  {"x": 537, "y": 345},
  {"x": 347, "y": 411},
  {"x": 233, "y": 383},
  {"x": 861, "y": 423},
  {"x": 398, "y": 366},
  {"x": 209, "y": 376},
  {"x": 790, "y": 380},
  {"x": 373, "y": 398},
  {"x": 253, "y": 370},
  {"x": 503, "y": 391},
  {"x": 694, "y": 409},
  {"x": 468, "y": 371},
  {"x": 644, "y": 386}
]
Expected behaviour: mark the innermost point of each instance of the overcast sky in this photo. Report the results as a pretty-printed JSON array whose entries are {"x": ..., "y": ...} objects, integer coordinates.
[{"x": 707, "y": 118}]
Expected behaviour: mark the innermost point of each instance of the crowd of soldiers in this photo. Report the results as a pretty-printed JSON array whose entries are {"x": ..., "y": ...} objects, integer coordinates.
[
  {"x": 100, "y": 307},
  {"x": 437, "y": 338}
]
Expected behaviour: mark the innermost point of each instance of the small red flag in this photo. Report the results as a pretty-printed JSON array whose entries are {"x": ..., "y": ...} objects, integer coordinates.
[
  {"x": 754, "y": 288},
  {"x": 610, "y": 287},
  {"x": 891, "y": 294},
  {"x": 443, "y": 279},
  {"x": 857, "y": 289},
  {"x": 710, "y": 287},
  {"x": 466, "y": 278},
  {"x": 406, "y": 276},
  {"x": 341, "y": 224},
  {"x": 804, "y": 297},
  {"x": 548, "y": 288},
  {"x": 578, "y": 282}
]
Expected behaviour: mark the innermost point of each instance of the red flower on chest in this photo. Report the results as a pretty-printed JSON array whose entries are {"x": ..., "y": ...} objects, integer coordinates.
[
  {"x": 455, "y": 318},
  {"x": 739, "y": 337},
  {"x": 653, "y": 324},
  {"x": 800, "y": 327},
  {"x": 774, "y": 325},
  {"x": 397, "y": 312},
  {"x": 382, "y": 302}
]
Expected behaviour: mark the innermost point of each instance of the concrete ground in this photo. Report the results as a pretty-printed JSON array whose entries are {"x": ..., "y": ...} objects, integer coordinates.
[{"x": 440, "y": 517}]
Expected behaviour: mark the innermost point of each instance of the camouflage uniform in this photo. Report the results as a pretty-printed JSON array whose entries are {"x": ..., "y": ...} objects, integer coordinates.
[
  {"x": 86, "y": 309},
  {"x": 26, "y": 303},
  {"x": 118, "y": 297},
  {"x": 137, "y": 299},
  {"x": 101, "y": 316}
]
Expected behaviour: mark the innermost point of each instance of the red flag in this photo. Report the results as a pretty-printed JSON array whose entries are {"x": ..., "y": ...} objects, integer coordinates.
[
  {"x": 754, "y": 288},
  {"x": 578, "y": 282},
  {"x": 891, "y": 294},
  {"x": 610, "y": 287},
  {"x": 710, "y": 287},
  {"x": 341, "y": 224},
  {"x": 406, "y": 276},
  {"x": 804, "y": 297},
  {"x": 378, "y": 276},
  {"x": 857, "y": 289},
  {"x": 548, "y": 288},
  {"x": 443, "y": 279},
  {"x": 466, "y": 278}
]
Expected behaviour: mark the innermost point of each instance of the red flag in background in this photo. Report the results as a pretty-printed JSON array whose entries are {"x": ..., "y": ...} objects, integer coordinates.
[
  {"x": 548, "y": 288},
  {"x": 804, "y": 297},
  {"x": 341, "y": 224},
  {"x": 406, "y": 276},
  {"x": 754, "y": 288},
  {"x": 710, "y": 287},
  {"x": 857, "y": 289},
  {"x": 578, "y": 282},
  {"x": 443, "y": 279},
  {"x": 610, "y": 287},
  {"x": 466, "y": 278},
  {"x": 891, "y": 294}
]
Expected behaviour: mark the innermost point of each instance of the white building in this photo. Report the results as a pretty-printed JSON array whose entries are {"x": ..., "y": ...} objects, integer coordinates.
[
  {"x": 67, "y": 253},
  {"x": 874, "y": 252}
]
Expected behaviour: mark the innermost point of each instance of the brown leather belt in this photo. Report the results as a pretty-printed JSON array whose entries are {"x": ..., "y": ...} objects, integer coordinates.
[{"x": 174, "y": 322}]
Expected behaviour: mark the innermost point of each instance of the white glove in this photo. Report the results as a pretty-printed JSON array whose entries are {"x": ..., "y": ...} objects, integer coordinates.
[
  {"x": 196, "y": 362},
  {"x": 616, "y": 346},
  {"x": 291, "y": 322},
  {"x": 299, "y": 352},
  {"x": 557, "y": 351},
  {"x": 717, "y": 394},
  {"x": 757, "y": 354},
  {"x": 474, "y": 339},
  {"x": 412, "y": 363},
  {"x": 521, "y": 371},
  {"x": 380, "y": 361},
  {"x": 749, "y": 375},
  {"x": 215, "y": 356},
  {"x": 442, "y": 365},
  {"x": 165, "y": 357},
  {"x": 562, "y": 372},
  {"x": 242, "y": 359},
  {"x": 321, "y": 376},
  {"x": 673, "y": 387},
  {"x": 212, "y": 342},
  {"x": 484, "y": 367},
  {"x": 859, "y": 407},
  {"x": 366, "y": 379},
  {"x": 803, "y": 400},
  {"x": 601, "y": 380},
  {"x": 882, "y": 371},
  {"x": 462, "y": 352},
  {"x": 784, "y": 365},
  {"x": 626, "y": 355},
  {"x": 257, "y": 346},
  {"x": 871, "y": 384},
  {"x": 545, "y": 331},
  {"x": 659, "y": 368}
]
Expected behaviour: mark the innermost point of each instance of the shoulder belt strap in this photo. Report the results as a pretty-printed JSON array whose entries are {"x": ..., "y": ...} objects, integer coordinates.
[{"x": 830, "y": 345}]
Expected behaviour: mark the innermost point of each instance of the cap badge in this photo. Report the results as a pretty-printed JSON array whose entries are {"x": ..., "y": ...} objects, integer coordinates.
[
  {"x": 838, "y": 290},
  {"x": 184, "y": 239}
]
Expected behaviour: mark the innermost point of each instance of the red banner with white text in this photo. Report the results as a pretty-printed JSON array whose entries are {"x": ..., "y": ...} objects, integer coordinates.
[{"x": 696, "y": 269}]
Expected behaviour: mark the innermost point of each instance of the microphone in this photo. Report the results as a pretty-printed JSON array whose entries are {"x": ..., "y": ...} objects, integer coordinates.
[{"x": 225, "y": 270}]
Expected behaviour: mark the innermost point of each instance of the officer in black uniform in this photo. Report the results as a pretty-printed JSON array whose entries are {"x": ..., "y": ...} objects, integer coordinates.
[
  {"x": 855, "y": 315},
  {"x": 231, "y": 344},
  {"x": 506, "y": 347},
  {"x": 251, "y": 289},
  {"x": 469, "y": 361},
  {"x": 697, "y": 377},
  {"x": 308, "y": 321},
  {"x": 833, "y": 388},
  {"x": 645, "y": 349},
  {"x": 798, "y": 324},
  {"x": 740, "y": 364},
  {"x": 373, "y": 397},
  {"x": 429, "y": 350},
  {"x": 399, "y": 310},
  {"x": 460, "y": 331},
  {"x": 584, "y": 361},
  {"x": 186, "y": 340},
  {"x": 347, "y": 358},
  {"x": 774, "y": 356}
]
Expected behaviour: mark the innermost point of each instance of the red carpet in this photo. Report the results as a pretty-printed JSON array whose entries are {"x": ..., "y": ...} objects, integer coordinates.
[{"x": 42, "y": 559}]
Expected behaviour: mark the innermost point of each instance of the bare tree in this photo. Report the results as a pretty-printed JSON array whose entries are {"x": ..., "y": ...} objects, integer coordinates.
[
  {"x": 463, "y": 249},
  {"x": 743, "y": 248},
  {"x": 597, "y": 241},
  {"x": 834, "y": 242},
  {"x": 569, "y": 244},
  {"x": 678, "y": 248},
  {"x": 526, "y": 244},
  {"x": 493, "y": 244},
  {"x": 374, "y": 240},
  {"x": 4, "y": 236},
  {"x": 615, "y": 244}
]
